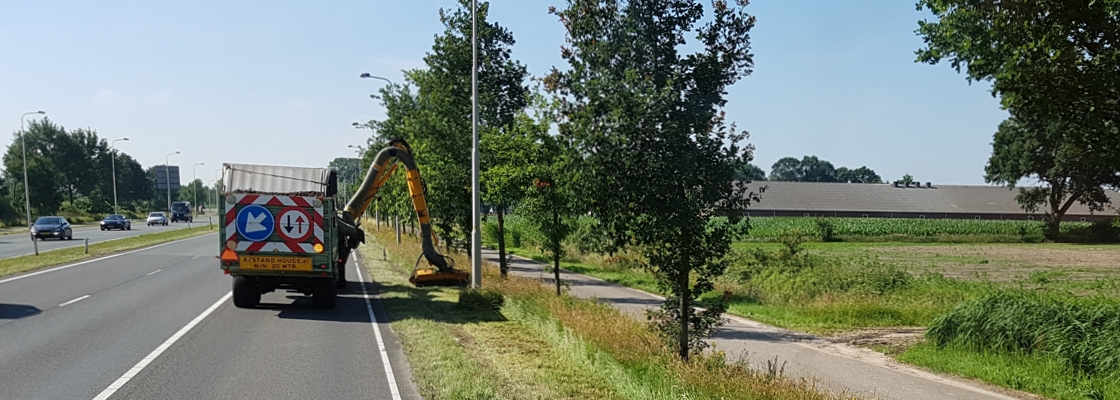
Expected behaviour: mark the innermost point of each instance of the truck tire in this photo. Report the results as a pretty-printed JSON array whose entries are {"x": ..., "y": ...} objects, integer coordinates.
[
  {"x": 245, "y": 293},
  {"x": 324, "y": 295},
  {"x": 341, "y": 282}
]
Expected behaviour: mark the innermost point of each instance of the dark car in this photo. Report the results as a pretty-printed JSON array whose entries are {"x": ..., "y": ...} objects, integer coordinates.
[
  {"x": 181, "y": 211},
  {"x": 52, "y": 226},
  {"x": 116, "y": 221}
]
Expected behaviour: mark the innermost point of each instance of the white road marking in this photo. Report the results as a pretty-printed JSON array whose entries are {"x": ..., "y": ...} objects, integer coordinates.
[
  {"x": 155, "y": 272},
  {"x": 74, "y": 301},
  {"x": 377, "y": 332},
  {"x": 97, "y": 259},
  {"x": 120, "y": 382}
]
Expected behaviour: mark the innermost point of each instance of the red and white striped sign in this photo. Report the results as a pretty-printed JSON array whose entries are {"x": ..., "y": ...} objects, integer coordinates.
[{"x": 305, "y": 202}]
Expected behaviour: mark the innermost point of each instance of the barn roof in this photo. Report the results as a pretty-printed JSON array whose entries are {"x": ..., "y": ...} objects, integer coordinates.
[{"x": 861, "y": 197}]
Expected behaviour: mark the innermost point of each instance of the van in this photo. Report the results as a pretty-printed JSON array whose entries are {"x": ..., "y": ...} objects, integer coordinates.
[{"x": 181, "y": 211}]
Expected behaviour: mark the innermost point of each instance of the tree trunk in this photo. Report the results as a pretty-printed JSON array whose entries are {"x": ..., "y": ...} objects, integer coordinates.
[
  {"x": 556, "y": 251},
  {"x": 503, "y": 266},
  {"x": 685, "y": 311}
]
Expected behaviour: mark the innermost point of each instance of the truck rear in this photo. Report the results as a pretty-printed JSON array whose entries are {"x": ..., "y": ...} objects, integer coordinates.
[{"x": 278, "y": 231}]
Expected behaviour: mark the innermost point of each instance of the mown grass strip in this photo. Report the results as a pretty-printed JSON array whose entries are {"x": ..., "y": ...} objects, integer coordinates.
[
  {"x": 13, "y": 265},
  {"x": 590, "y": 349}
]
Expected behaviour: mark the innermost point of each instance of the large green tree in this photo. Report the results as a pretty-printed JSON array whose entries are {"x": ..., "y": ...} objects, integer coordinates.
[
  {"x": 1070, "y": 165},
  {"x": 46, "y": 188},
  {"x": 436, "y": 121},
  {"x": 1055, "y": 66},
  {"x": 549, "y": 202},
  {"x": 657, "y": 156}
]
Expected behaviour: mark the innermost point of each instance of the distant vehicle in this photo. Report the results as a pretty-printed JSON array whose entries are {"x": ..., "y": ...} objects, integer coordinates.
[
  {"x": 52, "y": 226},
  {"x": 181, "y": 211},
  {"x": 157, "y": 218},
  {"x": 116, "y": 221}
]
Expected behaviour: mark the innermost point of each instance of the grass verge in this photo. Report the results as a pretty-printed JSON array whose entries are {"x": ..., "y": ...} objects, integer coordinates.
[
  {"x": 517, "y": 339},
  {"x": 26, "y": 263}
]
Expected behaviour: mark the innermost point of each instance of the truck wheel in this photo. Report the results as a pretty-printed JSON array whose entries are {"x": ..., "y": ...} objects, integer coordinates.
[
  {"x": 245, "y": 293},
  {"x": 325, "y": 294},
  {"x": 341, "y": 282}
]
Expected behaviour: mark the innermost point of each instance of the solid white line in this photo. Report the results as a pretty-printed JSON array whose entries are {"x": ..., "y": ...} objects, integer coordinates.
[
  {"x": 74, "y": 301},
  {"x": 154, "y": 272},
  {"x": 98, "y": 259},
  {"x": 120, "y": 382},
  {"x": 377, "y": 332}
]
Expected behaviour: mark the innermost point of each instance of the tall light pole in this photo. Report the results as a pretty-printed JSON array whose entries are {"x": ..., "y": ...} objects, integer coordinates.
[
  {"x": 476, "y": 234},
  {"x": 167, "y": 173},
  {"x": 113, "y": 156},
  {"x": 26, "y": 191},
  {"x": 217, "y": 200},
  {"x": 194, "y": 172}
]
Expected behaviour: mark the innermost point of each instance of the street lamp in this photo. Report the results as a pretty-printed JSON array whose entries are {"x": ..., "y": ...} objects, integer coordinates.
[
  {"x": 194, "y": 171},
  {"x": 476, "y": 234},
  {"x": 26, "y": 191},
  {"x": 113, "y": 157},
  {"x": 368, "y": 76},
  {"x": 167, "y": 173}
]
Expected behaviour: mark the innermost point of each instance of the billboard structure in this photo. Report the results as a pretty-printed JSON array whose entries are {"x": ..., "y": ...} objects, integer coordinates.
[{"x": 162, "y": 176}]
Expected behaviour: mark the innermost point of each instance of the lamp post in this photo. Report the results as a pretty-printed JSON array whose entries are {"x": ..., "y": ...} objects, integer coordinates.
[
  {"x": 167, "y": 173},
  {"x": 217, "y": 200},
  {"x": 26, "y": 191},
  {"x": 113, "y": 157},
  {"x": 476, "y": 234},
  {"x": 194, "y": 176}
]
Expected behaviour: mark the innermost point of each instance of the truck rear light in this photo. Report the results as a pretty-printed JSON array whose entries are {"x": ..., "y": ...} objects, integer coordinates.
[
  {"x": 231, "y": 244},
  {"x": 318, "y": 247}
]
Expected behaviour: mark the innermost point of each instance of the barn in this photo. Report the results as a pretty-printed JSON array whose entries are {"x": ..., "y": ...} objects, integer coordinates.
[{"x": 917, "y": 200}]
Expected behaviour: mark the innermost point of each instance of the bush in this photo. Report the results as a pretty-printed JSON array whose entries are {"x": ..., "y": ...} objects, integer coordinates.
[
  {"x": 824, "y": 229},
  {"x": 1082, "y": 332}
]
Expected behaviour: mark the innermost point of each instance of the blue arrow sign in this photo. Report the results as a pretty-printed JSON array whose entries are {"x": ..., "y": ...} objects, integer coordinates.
[{"x": 255, "y": 223}]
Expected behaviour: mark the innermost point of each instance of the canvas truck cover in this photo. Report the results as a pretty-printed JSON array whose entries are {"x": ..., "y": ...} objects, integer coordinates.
[{"x": 275, "y": 180}]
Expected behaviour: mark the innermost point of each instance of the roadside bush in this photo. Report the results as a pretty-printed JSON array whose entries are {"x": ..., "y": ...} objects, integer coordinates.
[
  {"x": 1082, "y": 332},
  {"x": 791, "y": 274},
  {"x": 825, "y": 230}
]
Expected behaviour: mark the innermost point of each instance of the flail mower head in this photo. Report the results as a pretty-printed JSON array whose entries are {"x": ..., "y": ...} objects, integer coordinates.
[{"x": 430, "y": 275}]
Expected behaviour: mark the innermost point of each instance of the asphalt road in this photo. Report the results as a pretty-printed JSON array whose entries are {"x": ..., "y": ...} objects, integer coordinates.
[
  {"x": 837, "y": 367},
  {"x": 18, "y": 244},
  {"x": 158, "y": 324}
]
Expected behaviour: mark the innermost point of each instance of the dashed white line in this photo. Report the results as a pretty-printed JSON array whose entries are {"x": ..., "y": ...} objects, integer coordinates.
[
  {"x": 377, "y": 332},
  {"x": 74, "y": 301},
  {"x": 120, "y": 382},
  {"x": 154, "y": 272}
]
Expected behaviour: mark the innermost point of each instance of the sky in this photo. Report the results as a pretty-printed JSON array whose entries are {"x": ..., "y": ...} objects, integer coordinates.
[{"x": 276, "y": 82}]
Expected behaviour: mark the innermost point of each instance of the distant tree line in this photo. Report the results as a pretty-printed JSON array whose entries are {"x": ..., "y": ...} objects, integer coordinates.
[
  {"x": 808, "y": 169},
  {"x": 70, "y": 173}
]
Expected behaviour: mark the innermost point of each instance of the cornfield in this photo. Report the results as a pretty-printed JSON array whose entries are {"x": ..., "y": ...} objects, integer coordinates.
[{"x": 773, "y": 227}]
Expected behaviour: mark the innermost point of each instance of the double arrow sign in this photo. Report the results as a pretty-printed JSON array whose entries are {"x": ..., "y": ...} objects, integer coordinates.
[{"x": 288, "y": 223}]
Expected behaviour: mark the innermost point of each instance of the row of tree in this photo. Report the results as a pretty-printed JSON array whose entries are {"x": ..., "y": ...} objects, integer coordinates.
[
  {"x": 632, "y": 133},
  {"x": 70, "y": 172}
]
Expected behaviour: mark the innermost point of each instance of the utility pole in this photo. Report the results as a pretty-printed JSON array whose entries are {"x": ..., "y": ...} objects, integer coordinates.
[
  {"x": 113, "y": 156},
  {"x": 194, "y": 171},
  {"x": 476, "y": 233},
  {"x": 26, "y": 184}
]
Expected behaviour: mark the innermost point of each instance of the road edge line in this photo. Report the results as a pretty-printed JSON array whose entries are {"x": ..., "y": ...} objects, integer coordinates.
[
  {"x": 28, "y": 275},
  {"x": 393, "y": 389},
  {"x": 135, "y": 370}
]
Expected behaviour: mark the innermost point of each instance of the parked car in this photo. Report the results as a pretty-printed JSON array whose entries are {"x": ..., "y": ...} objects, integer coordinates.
[
  {"x": 116, "y": 221},
  {"x": 157, "y": 218},
  {"x": 52, "y": 226}
]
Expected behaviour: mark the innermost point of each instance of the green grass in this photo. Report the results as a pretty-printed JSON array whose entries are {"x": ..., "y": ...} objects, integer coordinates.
[
  {"x": 26, "y": 263},
  {"x": 878, "y": 228},
  {"x": 529, "y": 343},
  {"x": 1044, "y": 374}
]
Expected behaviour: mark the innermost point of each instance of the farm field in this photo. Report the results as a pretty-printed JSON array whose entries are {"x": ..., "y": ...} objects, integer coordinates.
[{"x": 909, "y": 230}]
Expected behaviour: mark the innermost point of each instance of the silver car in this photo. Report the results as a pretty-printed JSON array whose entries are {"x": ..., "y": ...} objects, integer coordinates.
[{"x": 157, "y": 218}]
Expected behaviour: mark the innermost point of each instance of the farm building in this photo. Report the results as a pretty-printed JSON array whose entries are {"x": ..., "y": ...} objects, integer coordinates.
[{"x": 919, "y": 200}]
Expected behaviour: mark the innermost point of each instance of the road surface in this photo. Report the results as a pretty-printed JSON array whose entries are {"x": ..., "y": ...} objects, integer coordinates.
[
  {"x": 838, "y": 367},
  {"x": 158, "y": 324},
  {"x": 18, "y": 244}
]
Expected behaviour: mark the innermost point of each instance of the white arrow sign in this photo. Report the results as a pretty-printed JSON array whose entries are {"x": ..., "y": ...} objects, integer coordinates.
[{"x": 253, "y": 223}]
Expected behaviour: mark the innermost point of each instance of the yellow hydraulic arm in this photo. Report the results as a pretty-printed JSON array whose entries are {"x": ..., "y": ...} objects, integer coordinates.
[{"x": 379, "y": 173}]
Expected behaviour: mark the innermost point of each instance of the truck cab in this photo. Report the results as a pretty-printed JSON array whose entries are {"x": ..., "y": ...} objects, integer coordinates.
[{"x": 181, "y": 211}]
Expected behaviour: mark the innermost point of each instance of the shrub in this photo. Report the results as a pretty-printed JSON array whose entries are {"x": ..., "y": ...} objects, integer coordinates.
[{"x": 1082, "y": 332}]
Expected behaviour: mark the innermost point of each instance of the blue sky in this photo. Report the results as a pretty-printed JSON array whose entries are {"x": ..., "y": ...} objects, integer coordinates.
[{"x": 276, "y": 82}]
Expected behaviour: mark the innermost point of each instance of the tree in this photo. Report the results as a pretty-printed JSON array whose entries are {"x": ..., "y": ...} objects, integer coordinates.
[
  {"x": 1054, "y": 60},
  {"x": 750, "y": 172},
  {"x": 808, "y": 169},
  {"x": 1071, "y": 170},
  {"x": 436, "y": 121},
  {"x": 786, "y": 169},
  {"x": 509, "y": 157},
  {"x": 656, "y": 154},
  {"x": 195, "y": 192},
  {"x": 906, "y": 179},
  {"x": 858, "y": 175},
  {"x": 43, "y": 173},
  {"x": 549, "y": 203}
]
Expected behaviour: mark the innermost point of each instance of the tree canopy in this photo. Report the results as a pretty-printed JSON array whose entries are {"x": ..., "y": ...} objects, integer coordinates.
[{"x": 813, "y": 169}]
